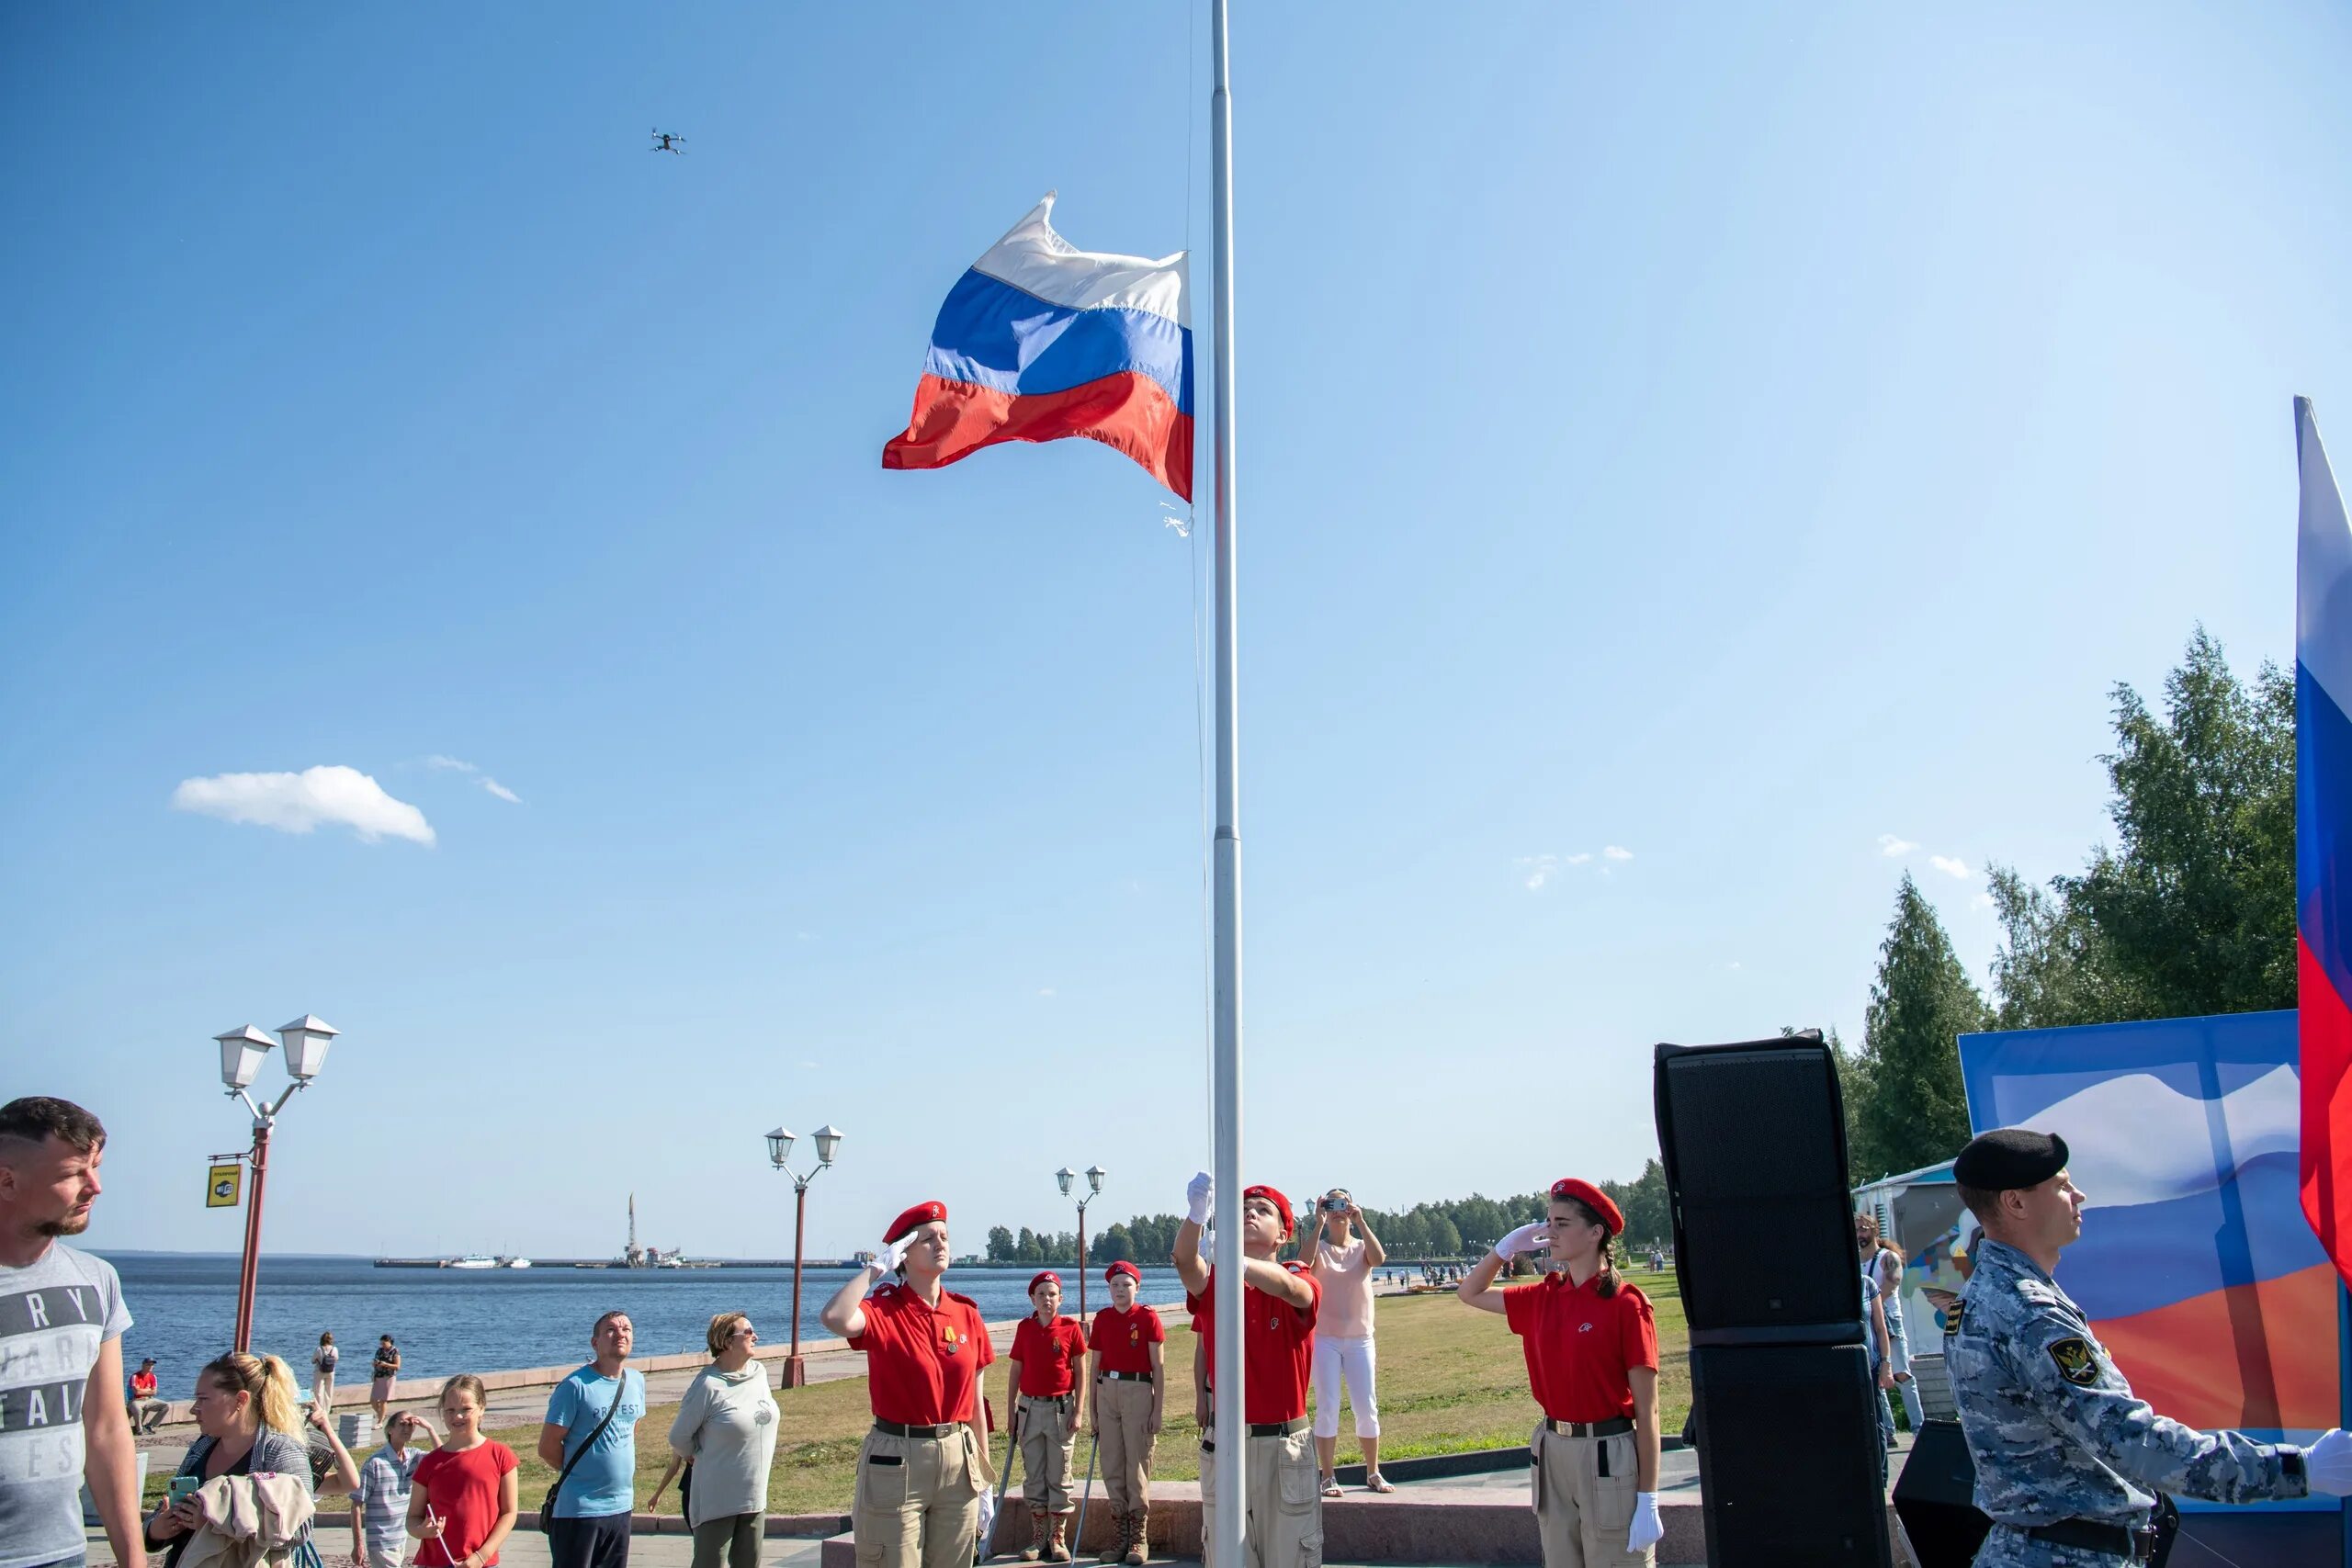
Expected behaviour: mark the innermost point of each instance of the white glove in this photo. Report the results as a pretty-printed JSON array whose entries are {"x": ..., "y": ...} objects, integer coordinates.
[
  {"x": 1648, "y": 1526},
  {"x": 2328, "y": 1463},
  {"x": 1529, "y": 1238},
  {"x": 893, "y": 1253},
  {"x": 987, "y": 1517},
  {"x": 1197, "y": 1195}
]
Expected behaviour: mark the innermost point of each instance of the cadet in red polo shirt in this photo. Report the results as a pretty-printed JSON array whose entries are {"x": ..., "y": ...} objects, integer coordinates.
[
  {"x": 1048, "y": 1373},
  {"x": 920, "y": 1474},
  {"x": 1283, "y": 1506},
  {"x": 1591, "y": 1346},
  {"x": 1129, "y": 1388}
]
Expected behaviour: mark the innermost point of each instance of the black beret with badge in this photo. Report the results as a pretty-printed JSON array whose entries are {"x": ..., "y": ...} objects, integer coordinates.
[{"x": 2009, "y": 1157}]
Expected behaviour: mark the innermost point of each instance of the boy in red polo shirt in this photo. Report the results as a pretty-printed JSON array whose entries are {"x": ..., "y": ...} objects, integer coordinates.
[
  {"x": 1590, "y": 1341},
  {"x": 1048, "y": 1359},
  {"x": 920, "y": 1472},
  {"x": 1130, "y": 1387},
  {"x": 1283, "y": 1504}
]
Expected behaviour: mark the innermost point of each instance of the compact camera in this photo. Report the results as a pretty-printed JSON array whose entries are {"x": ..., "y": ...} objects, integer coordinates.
[{"x": 1337, "y": 1203}]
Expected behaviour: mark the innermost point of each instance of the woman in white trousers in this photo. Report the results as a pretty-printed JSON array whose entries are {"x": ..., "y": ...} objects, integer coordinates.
[{"x": 1342, "y": 1262}]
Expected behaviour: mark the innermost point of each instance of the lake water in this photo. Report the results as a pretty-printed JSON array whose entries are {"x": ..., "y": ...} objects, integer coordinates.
[{"x": 458, "y": 1320}]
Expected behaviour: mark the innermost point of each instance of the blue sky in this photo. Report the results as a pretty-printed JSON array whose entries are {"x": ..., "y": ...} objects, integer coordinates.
[{"x": 1730, "y": 436}]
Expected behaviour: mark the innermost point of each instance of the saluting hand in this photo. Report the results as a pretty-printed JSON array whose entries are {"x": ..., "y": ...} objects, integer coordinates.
[
  {"x": 1533, "y": 1237},
  {"x": 892, "y": 1254}
]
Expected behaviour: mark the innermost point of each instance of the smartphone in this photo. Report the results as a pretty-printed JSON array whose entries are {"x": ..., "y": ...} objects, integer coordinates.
[{"x": 184, "y": 1486}]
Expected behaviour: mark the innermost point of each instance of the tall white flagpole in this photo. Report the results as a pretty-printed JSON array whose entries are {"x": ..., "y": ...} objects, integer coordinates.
[{"x": 1225, "y": 1550}]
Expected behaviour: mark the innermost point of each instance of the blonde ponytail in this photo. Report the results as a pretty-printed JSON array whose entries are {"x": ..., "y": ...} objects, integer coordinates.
[{"x": 267, "y": 1381}]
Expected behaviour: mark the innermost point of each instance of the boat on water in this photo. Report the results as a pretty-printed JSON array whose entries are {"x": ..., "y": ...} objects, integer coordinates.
[
  {"x": 513, "y": 1262},
  {"x": 472, "y": 1261}
]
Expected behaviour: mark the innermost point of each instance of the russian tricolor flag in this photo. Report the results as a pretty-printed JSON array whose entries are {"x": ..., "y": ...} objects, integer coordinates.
[
  {"x": 2324, "y": 841},
  {"x": 1040, "y": 340}
]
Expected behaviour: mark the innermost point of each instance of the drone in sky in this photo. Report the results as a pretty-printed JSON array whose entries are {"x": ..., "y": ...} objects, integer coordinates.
[{"x": 667, "y": 141}]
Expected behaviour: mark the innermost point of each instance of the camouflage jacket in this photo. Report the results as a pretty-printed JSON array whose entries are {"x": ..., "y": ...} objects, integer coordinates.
[{"x": 2055, "y": 1430}]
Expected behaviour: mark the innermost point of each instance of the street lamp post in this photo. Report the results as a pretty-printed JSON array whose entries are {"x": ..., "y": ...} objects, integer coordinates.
[
  {"x": 827, "y": 1138},
  {"x": 242, "y": 1050},
  {"x": 1094, "y": 1174}
]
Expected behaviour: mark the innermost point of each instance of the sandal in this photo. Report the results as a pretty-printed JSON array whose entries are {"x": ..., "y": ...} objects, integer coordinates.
[
  {"x": 1377, "y": 1482},
  {"x": 1330, "y": 1487}
]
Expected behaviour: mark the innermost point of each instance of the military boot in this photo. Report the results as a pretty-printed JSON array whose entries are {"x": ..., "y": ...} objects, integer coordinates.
[
  {"x": 1055, "y": 1550},
  {"x": 1036, "y": 1547},
  {"x": 1137, "y": 1550}
]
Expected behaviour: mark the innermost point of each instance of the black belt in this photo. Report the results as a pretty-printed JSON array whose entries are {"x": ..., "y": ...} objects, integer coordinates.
[
  {"x": 1128, "y": 1377},
  {"x": 1608, "y": 1428},
  {"x": 2090, "y": 1534},
  {"x": 901, "y": 1429},
  {"x": 1259, "y": 1429},
  {"x": 1047, "y": 1398}
]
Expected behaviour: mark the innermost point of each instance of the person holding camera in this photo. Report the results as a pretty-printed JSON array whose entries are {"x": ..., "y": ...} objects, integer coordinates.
[{"x": 1343, "y": 1252}]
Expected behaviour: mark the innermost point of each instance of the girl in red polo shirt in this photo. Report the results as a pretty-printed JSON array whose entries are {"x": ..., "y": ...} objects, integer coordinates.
[
  {"x": 1129, "y": 1343},
  {"x": 920, "y": 1470},
  {"x": 1591, "y": 1346},
  {"x": 1048, "y": 1369}
]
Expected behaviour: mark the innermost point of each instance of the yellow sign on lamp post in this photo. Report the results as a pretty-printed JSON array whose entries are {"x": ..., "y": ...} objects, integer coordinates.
[{"x": 222, "y": 1189}]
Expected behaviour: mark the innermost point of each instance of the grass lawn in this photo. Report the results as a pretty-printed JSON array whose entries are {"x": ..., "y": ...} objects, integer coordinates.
[{"x": 1451, "y": 1379}]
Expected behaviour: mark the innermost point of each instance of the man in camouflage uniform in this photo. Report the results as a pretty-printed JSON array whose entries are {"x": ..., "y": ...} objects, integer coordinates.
[{"x": 2068, "y": 1461}]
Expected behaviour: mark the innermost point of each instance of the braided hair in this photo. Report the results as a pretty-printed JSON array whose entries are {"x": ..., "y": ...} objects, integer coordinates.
[{"x": 1611, "y": 1280}]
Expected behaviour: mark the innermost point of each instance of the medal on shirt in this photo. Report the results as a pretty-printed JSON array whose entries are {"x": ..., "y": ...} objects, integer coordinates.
[{"x": 948, "y": 1338}]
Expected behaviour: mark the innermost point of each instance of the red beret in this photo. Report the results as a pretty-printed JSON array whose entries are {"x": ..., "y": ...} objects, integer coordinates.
[
  {"x": 921, "y": 1214},
  {"x": 1592, "y": 1198},
  {"x": 1123, "y": 1267},
  {"x": 1040, "y": 1277},
  {"x": 1273, "y": 1196}
]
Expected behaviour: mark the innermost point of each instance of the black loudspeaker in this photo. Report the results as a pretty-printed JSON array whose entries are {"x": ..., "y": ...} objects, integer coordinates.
[
  {"x": 1789, "y": 1457},
  {"x": 1935, "y": 1496},
  {"x": 1753, "y": 1139}
]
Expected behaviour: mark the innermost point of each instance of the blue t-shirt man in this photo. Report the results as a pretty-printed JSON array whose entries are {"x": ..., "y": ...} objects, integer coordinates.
[{"x": 604, "y": 1482}]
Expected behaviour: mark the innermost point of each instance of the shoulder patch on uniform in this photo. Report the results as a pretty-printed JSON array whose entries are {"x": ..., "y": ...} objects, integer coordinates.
[{"x": 2077, "y": 1362}]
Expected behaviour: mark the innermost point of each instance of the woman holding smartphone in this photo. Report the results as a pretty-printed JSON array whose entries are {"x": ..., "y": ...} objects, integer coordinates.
[
  {"x": 465, "y": 1495},
  {"x": 250, "y": 1424}
]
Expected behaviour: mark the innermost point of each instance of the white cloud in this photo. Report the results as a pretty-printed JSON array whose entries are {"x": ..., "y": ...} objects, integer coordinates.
[
  {"x": 1888, "y": 844},
  {"x": 297, "y": 803},
  {"x": 1982, "y": 900},
  {"x": 457, "y": 765},
  {"x": 1045, "y": 990},
  {"x": 1579, "y": 859},
  {"x": 1950, "y": 867},
  {"x": 1537, "y": 870},
  {"x": 1614, "y": 852},
  {"x": 1733, "y": 964}
]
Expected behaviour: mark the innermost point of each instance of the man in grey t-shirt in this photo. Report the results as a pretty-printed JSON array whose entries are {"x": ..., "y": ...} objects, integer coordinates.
[{"x": 61, "y": 1320}]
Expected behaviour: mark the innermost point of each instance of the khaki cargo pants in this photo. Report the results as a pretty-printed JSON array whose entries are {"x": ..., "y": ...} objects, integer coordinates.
[
  {"x": 1284, "y": 1495},
  {"x": 1583, "y": 1515},
  {"x": 1046, "y": 1448},
  {"x": 918, "y": 1501},
  {"x": 1123, "y": 1411}
]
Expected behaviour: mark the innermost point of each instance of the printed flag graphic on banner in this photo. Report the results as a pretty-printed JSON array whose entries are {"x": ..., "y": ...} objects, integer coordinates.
[
  {"x": 2324, "y": 841},
  {"x": 1040, "y": 340},
  {"x": 2195, "y": 1271}
]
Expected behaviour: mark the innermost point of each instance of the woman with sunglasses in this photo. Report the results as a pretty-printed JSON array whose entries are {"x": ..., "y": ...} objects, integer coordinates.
[
  {"x": 1590, "y": 1340},
  {"x": 725, "y": 1431}
]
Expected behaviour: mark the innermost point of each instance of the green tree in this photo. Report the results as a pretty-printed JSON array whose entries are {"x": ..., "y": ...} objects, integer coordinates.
[
  {"x": 1114, "y": 1246},
  {"x": 1002, "y": 1248},
  {"x": 2196, "y": 906},
  {"x": 1029, "y": 1249},
  {"x": 1912, "y": 1111}
]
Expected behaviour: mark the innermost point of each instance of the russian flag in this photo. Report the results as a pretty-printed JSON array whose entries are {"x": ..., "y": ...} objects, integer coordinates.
[
  {"x": 2323, "y": 843},
  {"x": 1040, "y": 340}
]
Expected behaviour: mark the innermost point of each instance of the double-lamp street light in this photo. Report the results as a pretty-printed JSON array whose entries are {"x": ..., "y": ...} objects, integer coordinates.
[
  {"x": 1094, "y": 1174},
  {"x": 242, "y": 1050},
  {"x": 827, "y": 1138}
]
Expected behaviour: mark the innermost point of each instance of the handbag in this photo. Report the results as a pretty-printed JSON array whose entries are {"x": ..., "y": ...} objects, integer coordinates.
[{"x": 546, "y": 1509}]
